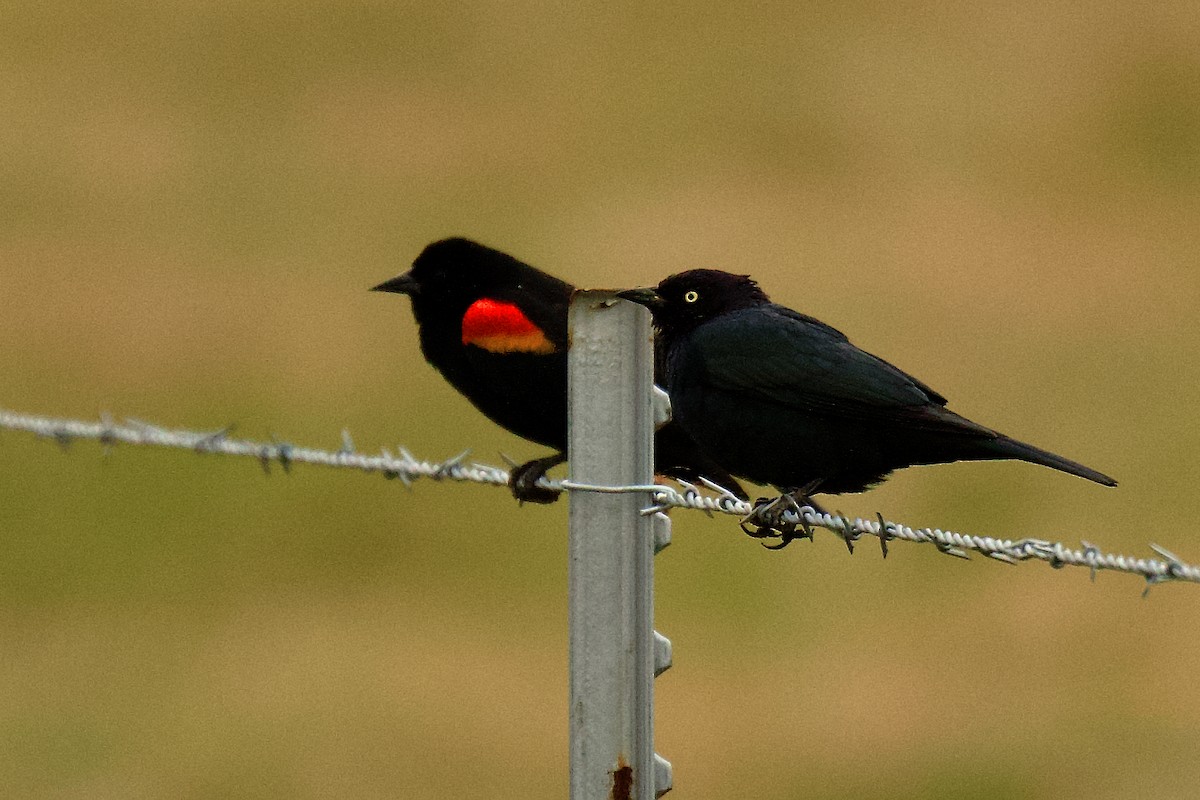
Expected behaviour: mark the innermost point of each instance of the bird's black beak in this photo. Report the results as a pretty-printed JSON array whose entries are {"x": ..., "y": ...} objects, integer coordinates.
[
  {"x": 643, "y": 297},
  {"x": 401, "y": 284}
]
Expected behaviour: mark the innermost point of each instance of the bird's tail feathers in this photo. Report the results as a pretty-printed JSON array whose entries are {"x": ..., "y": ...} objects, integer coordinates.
[{"x": 1005, "y": 447}]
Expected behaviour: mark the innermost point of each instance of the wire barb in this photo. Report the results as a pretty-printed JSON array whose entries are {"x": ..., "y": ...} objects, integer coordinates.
[{"x": 407, "y": 468}]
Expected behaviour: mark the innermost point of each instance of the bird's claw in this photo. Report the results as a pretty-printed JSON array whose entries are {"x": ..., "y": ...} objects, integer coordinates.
[
  {"x": 523, "y": 481},
  {"x": 766, "y": 521}
]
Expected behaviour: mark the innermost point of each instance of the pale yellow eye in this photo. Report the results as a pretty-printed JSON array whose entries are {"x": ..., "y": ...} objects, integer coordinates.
[{"x": 691, "y": 297}]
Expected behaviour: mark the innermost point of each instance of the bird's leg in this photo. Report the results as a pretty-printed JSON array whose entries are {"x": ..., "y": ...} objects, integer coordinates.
[
  {"x": 787, "y": 530},
  {"x": 523, "y": 480},
  {"x": 766, "y": 519}
]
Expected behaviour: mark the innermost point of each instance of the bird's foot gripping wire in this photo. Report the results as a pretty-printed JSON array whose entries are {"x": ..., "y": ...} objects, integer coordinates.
[
  {"x": 522, "y": 480},
  {"x": 766, "y": 521}
]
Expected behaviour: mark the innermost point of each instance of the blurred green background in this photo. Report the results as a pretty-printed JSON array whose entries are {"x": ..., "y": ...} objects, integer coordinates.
[{"x": 195, "y": 196}]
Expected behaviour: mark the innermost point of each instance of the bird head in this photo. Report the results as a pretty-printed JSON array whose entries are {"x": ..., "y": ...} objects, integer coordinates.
[
  {"x": 683, "y": 301},
  {"x": 466, "y": 292},
  {"x": 450, "y": 268}
]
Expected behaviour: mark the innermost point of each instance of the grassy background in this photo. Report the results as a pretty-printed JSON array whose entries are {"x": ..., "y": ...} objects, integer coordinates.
[{"x": 194, "y": 197}]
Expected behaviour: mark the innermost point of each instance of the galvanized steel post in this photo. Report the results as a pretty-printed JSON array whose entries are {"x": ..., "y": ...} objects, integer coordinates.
[{"x": 614, "y": 651}]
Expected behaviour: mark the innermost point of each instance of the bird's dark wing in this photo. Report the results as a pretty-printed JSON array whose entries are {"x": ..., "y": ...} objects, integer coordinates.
[
  {"x": 545, "y": 300},
  {"x": 776, "y": 354}
]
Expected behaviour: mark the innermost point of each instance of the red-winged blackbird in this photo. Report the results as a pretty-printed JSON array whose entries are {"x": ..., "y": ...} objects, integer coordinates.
[
  {"x": 780, "y": 398},
  {"x": 496, "y": 328}
]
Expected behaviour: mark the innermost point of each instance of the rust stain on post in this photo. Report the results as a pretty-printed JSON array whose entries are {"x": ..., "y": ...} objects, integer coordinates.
[{"x": 622, "y": 784}]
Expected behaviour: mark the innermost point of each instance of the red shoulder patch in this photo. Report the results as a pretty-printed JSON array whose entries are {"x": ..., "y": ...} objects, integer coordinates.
[{"x": 500, "y": 327}]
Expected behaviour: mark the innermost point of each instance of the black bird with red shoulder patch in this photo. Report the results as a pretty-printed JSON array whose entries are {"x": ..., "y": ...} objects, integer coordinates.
[
  {"x": 496, "y": 328},
  {"x": 777, "y": 397}
]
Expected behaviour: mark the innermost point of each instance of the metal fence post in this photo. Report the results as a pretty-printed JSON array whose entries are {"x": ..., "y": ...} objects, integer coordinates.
[{"x": 614, "y": 651}]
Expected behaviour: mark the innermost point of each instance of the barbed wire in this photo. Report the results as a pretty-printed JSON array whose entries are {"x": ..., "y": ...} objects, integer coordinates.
[{"x": 405, "y": 467}]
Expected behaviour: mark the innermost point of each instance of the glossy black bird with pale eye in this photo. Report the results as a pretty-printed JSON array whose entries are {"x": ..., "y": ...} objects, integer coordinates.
[
  {"x": 777, "y": 397},
  {"x": 496, "y": 328}
]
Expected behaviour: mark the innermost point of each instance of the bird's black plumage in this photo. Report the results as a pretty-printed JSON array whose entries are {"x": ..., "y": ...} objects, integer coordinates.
[
  {"x": 780, "y": 398},
  {"x": 496, "y": 329},
  {"x": 522, "y": 391}
]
